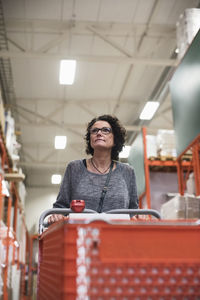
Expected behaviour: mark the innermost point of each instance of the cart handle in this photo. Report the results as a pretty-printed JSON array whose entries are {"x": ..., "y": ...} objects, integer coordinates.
[
  {"x": 67, "y": 211},
  {"x": 61, "y": 211},
  {"x": 133, "y": 212}
]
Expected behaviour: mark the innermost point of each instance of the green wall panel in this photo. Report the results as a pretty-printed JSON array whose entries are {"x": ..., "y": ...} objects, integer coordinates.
[
  {"x": 136, "y": 159},
  {"x": 185, "y": 94}
]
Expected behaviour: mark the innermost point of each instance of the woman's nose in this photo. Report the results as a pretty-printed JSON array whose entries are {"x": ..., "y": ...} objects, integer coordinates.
[{"x": 99, "y": 133}]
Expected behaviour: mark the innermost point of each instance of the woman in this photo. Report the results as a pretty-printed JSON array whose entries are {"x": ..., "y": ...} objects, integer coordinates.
[{"x": 85, "y": 179}]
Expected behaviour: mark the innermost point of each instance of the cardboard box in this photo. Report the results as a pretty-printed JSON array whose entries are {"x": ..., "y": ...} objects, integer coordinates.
[
  {"x": 2, "y": 114},
  {"x": 181, "y": 207},
  {"x": 192, "y": 204},
  {"x": 166, "y": 143},
  {"x": 174, "y": 208}
]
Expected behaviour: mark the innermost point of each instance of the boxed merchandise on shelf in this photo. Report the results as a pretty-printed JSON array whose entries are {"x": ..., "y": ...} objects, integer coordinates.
[
  {"x": 8, "y": 260},
  {"x": 181, "y": 207},
  {"x": 22, "y": 192},
  {"x": 15, "y": 282},
  {"x": 192, "y": 207},
  {"x": 174, "y": 208},
  {"x": 12, "y": 145},
  {"x": 4, "y": 234},
  {"x": 163, "y": 144},
  {"x": 9, "y": 131},
  {"x": 190, "y": 184},
  {"x": 2, "y": 113},
  {"x": 151, "y": 146},
  {"x": 166, "y": 143},
  {"x": 5, "y": 188},
  {"x": 4, "y": 192},
  {"x": 13, "y": 232},
  {"x": 21, "y": 237}
]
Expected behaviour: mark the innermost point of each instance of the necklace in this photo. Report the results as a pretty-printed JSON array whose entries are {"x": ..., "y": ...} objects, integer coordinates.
[{"x": 98, "y": 169}]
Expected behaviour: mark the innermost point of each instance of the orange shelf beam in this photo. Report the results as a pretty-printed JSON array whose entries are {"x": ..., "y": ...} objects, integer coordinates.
[{"x": 146, "y": 171}]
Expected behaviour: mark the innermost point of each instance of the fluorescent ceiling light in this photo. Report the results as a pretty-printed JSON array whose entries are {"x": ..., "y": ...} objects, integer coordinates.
[
  {"x": 60, "y": 141},
  {"x": 125, "y": 152},
  {"x": 149, "y": 110},
  {"x": 67, "y": 71},
  {"x": 56, "y": 179}
]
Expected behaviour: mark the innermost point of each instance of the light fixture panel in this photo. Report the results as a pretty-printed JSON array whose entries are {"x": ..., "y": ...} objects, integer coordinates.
[
  {"x": 149, "y": 110},
  {"x": 60, "y": 141},
  {"x": 67, "y": 71},
  {"x": 56, "y": 179}
]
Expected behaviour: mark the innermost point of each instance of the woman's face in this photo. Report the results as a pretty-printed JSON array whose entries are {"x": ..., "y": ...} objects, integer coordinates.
[{"x": 101, "y": 139}]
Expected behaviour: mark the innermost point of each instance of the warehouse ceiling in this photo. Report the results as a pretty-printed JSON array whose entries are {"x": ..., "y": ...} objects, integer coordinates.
[{"x": 125, "y": 52}]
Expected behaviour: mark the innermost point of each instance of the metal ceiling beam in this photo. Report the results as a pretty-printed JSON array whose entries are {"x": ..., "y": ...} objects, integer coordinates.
[
  {"x": 47, "y": 145},
  {"x": 43, "y": 125},
  {"x": 74, "y": 101},
  {"x": 48, "y": 155},
  {"x": 150, "y": 18},
  {"x": 45, "y": 119},
  {"x": 88, "y": 110},
  {"x": 92, "y": 58},
  {"x": 130, "y": 69},
  {"x": 14, "y": 43},
  {"x": 124, "y": 84},
  {"x": 80, "y": 27},
  {"x": 61, "y": 107},
  {"x": 53, "y": 43},
  {"x": 24, "y": 116},
  {"x": 39, "y": 165},
  {"x": 123, "y": 51},
  {"x": 69, "y": 126},
  {"x": 29, "y": 156},
  {"x": 110, "y": 41}
]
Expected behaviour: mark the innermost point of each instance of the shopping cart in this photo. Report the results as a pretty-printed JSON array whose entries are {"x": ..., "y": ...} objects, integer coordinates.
[{"x": 114, "y": 256}]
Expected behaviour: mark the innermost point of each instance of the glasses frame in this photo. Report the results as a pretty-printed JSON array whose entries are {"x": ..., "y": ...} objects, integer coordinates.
[{"x": 92, "y": 132}]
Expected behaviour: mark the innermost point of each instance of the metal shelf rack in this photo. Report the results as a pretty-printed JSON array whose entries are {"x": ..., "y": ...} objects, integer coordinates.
[
  {"x": 10, "y": 210},
  {"x": 182, "y": 167}
]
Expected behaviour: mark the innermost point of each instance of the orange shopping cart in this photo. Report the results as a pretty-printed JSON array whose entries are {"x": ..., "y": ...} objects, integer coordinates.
[{"x": 92, "y": 256}]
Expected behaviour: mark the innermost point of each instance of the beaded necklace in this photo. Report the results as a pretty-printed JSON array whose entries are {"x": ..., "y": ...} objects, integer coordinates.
[{"x": 98, "y": 169}]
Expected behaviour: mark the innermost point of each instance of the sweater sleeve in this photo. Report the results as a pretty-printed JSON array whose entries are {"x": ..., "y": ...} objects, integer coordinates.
[
  {"x": 132, "y": 187},
  {"x": 64, "y": 195}
]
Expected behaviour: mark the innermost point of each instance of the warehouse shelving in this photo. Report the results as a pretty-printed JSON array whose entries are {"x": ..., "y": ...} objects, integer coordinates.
[
  {"x": 14, "y": 236},
  {"x": 180, "y": 165},
  {"x": 183, "y": 173}
]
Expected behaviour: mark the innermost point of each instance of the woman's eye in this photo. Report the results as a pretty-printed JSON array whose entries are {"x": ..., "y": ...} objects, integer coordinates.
[{"x": 94, "y": 130}]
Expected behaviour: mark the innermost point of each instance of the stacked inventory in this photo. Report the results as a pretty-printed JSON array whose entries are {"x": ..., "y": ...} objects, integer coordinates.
[
  {"x": 181, "y": 207},
  {"x": 161, "y": 145},
  {"x": 13, "y": 233}
]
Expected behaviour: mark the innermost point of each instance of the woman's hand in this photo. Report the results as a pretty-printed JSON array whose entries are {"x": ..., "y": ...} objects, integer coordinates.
[{"x": 55, "y": 218}]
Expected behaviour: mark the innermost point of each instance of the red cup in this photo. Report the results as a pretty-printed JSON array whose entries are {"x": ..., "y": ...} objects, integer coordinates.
[{"x": 77, "y": 205}]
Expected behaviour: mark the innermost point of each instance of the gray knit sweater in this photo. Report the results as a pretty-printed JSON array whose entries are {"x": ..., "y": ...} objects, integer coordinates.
[{"x": 80, "y": 184}]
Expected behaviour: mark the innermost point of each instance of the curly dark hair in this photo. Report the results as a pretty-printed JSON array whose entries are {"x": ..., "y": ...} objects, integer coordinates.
[{"x": 118, "y": 130}]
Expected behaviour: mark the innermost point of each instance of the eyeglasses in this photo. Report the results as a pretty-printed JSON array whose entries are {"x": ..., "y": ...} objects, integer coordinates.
[{"x": 104, "y": 130}]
